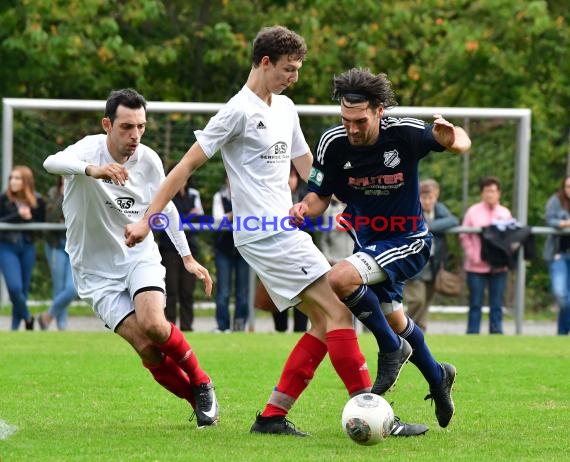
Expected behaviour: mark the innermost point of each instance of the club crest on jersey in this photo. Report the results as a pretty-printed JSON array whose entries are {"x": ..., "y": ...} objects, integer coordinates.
[
  {"x": 125, "y": 202},
  {"x": 391, "y": 158},
  {"x": 316, "y": 176}
]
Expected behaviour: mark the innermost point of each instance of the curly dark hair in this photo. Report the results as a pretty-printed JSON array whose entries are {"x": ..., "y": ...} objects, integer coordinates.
[
  {"x": 358, "y": 85},
  {"x": 277, "y": 41}
]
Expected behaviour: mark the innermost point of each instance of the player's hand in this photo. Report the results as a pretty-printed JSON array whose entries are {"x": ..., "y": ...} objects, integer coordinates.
[
  {"x": 192, "y": 266},
  {"x": 136, "y": 232},
  {"x": 443, "y": 131},
  {"x": 298, "y": 213},
  {"x": 117, "y": 173}
]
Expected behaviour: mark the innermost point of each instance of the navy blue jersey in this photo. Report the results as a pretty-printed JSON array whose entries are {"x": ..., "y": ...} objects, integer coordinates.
[{"x": 379, "y": 183}]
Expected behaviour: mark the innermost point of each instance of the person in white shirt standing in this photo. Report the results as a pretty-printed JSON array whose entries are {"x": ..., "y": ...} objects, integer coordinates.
[
  {"x": 109, "y": 181},
  {"x": 259, "y": 135}
]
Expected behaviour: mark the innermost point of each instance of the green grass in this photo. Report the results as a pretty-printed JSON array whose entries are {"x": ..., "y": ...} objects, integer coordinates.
[{"x": 85, "y": 397}]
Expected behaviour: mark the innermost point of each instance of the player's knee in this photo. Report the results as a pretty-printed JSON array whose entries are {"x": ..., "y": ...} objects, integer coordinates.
[
  {"x": 156, "y": 330},
  {"x": 338, "y": 283},
  {"x": 144, "y": 346}
]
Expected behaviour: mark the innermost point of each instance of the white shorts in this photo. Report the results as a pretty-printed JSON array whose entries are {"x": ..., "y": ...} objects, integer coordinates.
[
  {"x": 112, "y": 299},
  {"x": 287, "y": 263}
]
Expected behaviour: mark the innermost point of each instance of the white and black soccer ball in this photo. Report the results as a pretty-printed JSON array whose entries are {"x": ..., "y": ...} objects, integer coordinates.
[{"x": 367, "y": 419}]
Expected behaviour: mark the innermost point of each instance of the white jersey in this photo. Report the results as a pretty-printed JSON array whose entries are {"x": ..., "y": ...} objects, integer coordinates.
[
  {"x": 257, "y": 142},
  {"x": 97, "y": 211}
]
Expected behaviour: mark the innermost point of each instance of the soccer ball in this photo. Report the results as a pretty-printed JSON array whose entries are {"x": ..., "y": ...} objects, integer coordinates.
[{"x": 367, "y": 419}]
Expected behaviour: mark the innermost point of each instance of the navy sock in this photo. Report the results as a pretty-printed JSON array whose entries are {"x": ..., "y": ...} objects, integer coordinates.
[
  {"x": 422, "y": 357},
  {"x": 364, "y": 304}
]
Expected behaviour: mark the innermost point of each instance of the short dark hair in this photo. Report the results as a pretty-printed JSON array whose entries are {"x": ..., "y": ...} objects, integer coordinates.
[
  {"x": 358, "y": 85},
  {"x": 126, "y": 97},
  {"x": 277, "y": 41},
  {"x": 489, "y": 181}
]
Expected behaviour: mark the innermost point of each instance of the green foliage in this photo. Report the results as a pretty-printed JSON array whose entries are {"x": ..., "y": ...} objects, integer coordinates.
[
  {"x": 66, "y": 49},
  {"x": 85, "y": 396}
]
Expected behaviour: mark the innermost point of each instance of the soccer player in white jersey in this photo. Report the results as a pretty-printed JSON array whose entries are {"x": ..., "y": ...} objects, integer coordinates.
[
  {"x": 370, "y": 162},
  {"x": 259, "y": 135},
  {"x": 109, "y": 182}
]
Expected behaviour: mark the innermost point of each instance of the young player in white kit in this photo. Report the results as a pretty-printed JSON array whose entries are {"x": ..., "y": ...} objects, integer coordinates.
[
  {"x": 109, "y": 182},
  {"x": 259, "y": 135}
]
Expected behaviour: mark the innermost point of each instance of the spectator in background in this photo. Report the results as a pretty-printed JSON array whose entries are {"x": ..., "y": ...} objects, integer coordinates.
[
  {"x": 335, "y": 244},
  {"x": 479, "y": 273},
  {"x": 281, "y": 318},
  {"x": 20, "y": 203},
  {"x": 419, "y": 291},
  {"x": 63, "y": 290},
  {"x": 557, "y": 252},
  {"x": 229, "y": 264},
  {"x": 180, "y": 283}
]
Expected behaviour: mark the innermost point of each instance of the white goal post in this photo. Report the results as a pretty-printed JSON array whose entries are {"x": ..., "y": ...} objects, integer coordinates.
[{"x": 522, "y": 150}]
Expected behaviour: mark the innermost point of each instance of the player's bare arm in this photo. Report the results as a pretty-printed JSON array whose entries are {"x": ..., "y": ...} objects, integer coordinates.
[
  {"x": 303, "y": 165},
  {"x": 312, "y": 205},
  {"x": 176, "y": 179},
  {"x": 455, "y": 139},
  {"x": 192, "y": 266},
  {"x": 117, "y": 173}
]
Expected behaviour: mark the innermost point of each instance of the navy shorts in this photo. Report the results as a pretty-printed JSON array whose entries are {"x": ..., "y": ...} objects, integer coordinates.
[{"x": 402, "y": 258}]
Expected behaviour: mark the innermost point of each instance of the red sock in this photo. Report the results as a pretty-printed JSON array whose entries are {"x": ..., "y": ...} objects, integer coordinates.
[
  {"x": 180, "y": 351},
  {"x": 297, "y": 373},
  {"x": 348, "y": 360},
  {"x": 174, "y": 379}
]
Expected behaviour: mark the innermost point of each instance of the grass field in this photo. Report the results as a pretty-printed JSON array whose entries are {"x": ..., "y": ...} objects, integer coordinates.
[{"x": 85, "y": 397}]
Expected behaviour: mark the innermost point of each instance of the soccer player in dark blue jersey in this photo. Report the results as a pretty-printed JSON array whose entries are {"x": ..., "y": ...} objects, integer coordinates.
[{"x": 370, "y": 162}]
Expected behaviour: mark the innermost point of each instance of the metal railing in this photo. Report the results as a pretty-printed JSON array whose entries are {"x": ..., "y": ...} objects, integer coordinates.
[{"x": 519, "y": 299}]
